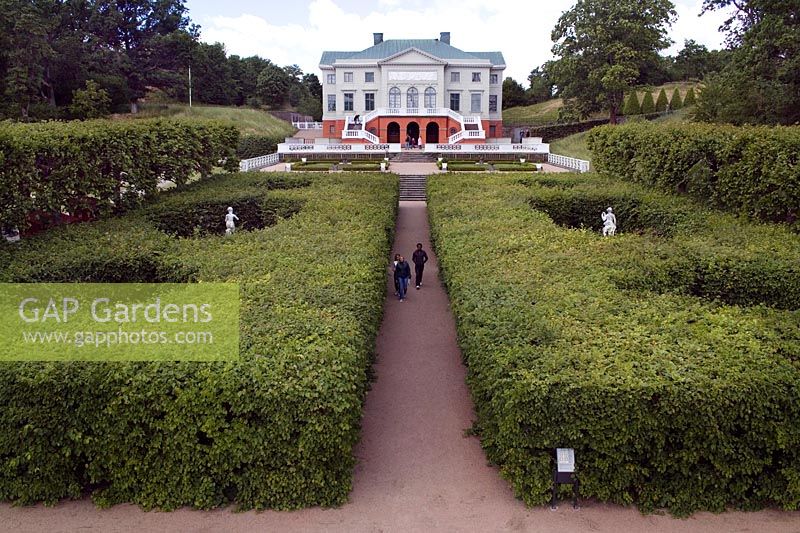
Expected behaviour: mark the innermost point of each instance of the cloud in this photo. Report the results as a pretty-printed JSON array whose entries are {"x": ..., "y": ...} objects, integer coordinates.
[{"x": 521, "y": 30}]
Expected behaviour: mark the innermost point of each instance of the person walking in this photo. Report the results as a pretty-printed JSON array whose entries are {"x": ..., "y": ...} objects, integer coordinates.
[
  {"x": 419, "y": 257},
  {"x": 394, "y": 269},
  {"x": 402, "y": 273}
]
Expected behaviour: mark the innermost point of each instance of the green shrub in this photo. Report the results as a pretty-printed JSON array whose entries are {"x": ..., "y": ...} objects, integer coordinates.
[
  {"x": 102, "y": 166},
  {"x": 275, "y": 429},
  {"x": 675, "y": 102},
  {"x": 670, "y": 401},
  {"x": 91, "y": 102},
  {"x": 690, "y": 99},
  {"x": 257, "y": 145},
  {"x": 662, "y": 102},
  {"x": 514, "y": 167},
  {"x": 748, "y": 170},
  {"x": 467, "y": 166},
  {"x": 632, "y": 106},
  {"x": 648, "y": 105}
]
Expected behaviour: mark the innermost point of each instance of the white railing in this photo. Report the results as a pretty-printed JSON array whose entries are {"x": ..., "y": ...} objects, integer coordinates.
[
  {"x": 258, "y": 162},
  {"x": 307, "y": 125},
  {"x": 487, "y": 149},
  {"x": 568, "y": 162},
  {"x": 454, "y": 138},
  {"x": 339, "y": 148},
  {"x": 360, "y": 134}
]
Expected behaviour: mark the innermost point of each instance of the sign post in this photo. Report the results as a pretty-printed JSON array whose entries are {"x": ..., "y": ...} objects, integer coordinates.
[{"x": 564, "y": 474}]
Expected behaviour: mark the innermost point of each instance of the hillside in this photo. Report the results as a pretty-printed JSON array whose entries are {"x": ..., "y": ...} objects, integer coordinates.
[
  {"x": 547, "y": 112},
  {"x": 249, "y": 121}
]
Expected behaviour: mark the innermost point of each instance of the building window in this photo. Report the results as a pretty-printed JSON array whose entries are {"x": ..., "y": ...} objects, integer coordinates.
[
  {"x": 492, "y": 131},
  {"x": 475, "y": 103},
  {"x": 412, "y": 97},
  {"x": 369, "y": 77},
  {"x": 348, "y": 77},
  {"x": 493, "y": 79},
  {"x": 394, "y": 97},
  {"x": 348, "y": 101},
  {"x": 492, "y": 103},
  {"x": 331, "y": 129},
  {"x": 332, "y": 79},
  {"x": 476, "y": 76},
  {"x": 455, "y": 101},
  {"x": 369, "y": 101},
  {"x": 430, "y": 98},
  {"x": 455, "y": 77},
  {"x": 331, "y": 102}
]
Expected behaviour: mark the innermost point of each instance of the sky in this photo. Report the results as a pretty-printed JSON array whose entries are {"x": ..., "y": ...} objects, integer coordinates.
[{"x": 298, "y": 31}]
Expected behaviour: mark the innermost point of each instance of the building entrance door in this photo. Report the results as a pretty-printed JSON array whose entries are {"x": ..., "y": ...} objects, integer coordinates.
[
  {"x": 432, "y": 133},
  {"x": 393, "y": 132},
  {"x": 412, "y": 130}
]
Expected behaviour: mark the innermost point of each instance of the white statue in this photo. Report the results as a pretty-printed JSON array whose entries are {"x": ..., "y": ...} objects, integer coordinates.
[
  {"x": 230, "y": 224},
  {"x": 11, "y": 235},
  {"x": 609, "y": 222}
]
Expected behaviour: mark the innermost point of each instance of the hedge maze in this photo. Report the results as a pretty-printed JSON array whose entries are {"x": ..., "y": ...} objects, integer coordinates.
[
  {"x": 275, "y": 429},
  {"x": 667, "y": 356}
]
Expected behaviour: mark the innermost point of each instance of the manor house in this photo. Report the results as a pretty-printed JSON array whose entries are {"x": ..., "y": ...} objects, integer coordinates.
[{"x": 425, "y": 89}]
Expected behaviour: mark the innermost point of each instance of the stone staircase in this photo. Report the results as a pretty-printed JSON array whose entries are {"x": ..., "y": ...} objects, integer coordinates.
[
  {"x": 414, "y": 156},
  {"x": 412, "y": 188}
]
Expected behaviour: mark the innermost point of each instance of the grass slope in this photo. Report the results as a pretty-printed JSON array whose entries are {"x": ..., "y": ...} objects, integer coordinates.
[
  {"x": 249, "y": 121},
  {"x": 547, "y": 112}
]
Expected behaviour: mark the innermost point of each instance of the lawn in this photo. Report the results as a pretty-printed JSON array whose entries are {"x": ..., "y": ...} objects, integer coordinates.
[
  {"x": 572, "y": 146},
  {"x": 547, "y": 112},
  {"x": 249, "y": 121}
]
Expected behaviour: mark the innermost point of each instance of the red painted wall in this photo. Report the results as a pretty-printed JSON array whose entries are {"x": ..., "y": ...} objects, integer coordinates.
[{"x": 380, "y": 127}]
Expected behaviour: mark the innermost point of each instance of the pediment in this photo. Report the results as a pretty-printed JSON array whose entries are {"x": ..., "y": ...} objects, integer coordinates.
[{"x": 412, "y": 56}]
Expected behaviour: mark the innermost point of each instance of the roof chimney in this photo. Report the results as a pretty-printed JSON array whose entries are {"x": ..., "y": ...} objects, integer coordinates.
[
  {"x": 445, "y": 37},
  {"x": 378, "y": 38}
]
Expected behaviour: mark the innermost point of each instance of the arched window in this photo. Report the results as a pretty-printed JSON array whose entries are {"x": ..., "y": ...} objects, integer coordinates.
[
  {"x": 394, "y": 97},
  {"x": 430, "y": 98},
  {"x": 412, "y": 97}
]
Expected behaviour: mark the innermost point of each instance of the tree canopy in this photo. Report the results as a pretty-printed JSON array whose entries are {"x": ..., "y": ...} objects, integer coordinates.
[
  {"x": 761, "y": 83},
  {"x": 51, "y": 49},
  {"x": 601, "y": 47}
]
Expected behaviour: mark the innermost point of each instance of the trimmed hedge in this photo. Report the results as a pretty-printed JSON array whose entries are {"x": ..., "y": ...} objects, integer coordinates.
[
  {"x": 554, "y": 132},
  {"x": 670, "y": 401},
  {"x": 273, "y": 430},
  {"x": 747, "y": 170},
  {"x": 250, "y": 146},
  {"x": 102, "y": 165}
]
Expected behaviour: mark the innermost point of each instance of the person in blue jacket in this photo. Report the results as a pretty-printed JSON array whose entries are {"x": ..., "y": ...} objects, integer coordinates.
[{"x": 402, "y": 275}]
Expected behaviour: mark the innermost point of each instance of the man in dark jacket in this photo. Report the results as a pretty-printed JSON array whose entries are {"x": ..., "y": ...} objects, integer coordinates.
[
  {"x": 402, "y": 273},
  {"x": 419, "y": 257}
]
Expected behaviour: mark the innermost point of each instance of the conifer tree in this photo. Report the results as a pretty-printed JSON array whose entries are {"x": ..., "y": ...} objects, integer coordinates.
[
  {"x": 648, "y": 105},
  {"x": 632, "y": 106},
  {"x": 662, "y": 102},
  {"x": 675, "y": 102},
  {"x": 689, "y": 99}
]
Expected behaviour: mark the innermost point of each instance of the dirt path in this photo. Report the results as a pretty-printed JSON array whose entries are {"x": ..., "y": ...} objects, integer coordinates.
[{"x": 416, "y": 470}]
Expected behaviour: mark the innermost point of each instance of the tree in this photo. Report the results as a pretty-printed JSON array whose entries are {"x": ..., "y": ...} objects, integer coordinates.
[
  {"x": 513, "y": 93},
  {"x": 272, "y": 85},
  {"x": 675, "y": 102},
  {"x": 602, "y": 45},
  {"x": 689, "y": 99},
  {"x": 632, "y": 106},
  {"x": 761, "y": 82},
  {"x": 211, "y": 75},
  {"x": 541, "y": 86},
  {"x": 661, "y": 101},
  {"x": 91, "y": 102},
  {"x": 692, "y": 62},
  {"x": 313, "y": 86},
  {"x": 648, "y": 105}
]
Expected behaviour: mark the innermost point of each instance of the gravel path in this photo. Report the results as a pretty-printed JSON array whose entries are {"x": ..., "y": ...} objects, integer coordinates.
[{"x": 417, "y": 471}]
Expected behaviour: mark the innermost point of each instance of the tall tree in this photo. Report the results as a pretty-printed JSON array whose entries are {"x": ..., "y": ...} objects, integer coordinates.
[
  {"x": 761, "y": 82},
  {"x": 513, "y": 93},
  {"x": 541, "y": 85},
  {"x": 601, "y": 47}
]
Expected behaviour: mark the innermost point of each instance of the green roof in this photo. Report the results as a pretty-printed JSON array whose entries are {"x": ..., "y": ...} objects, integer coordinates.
[{"x": 392, "y": 47}]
